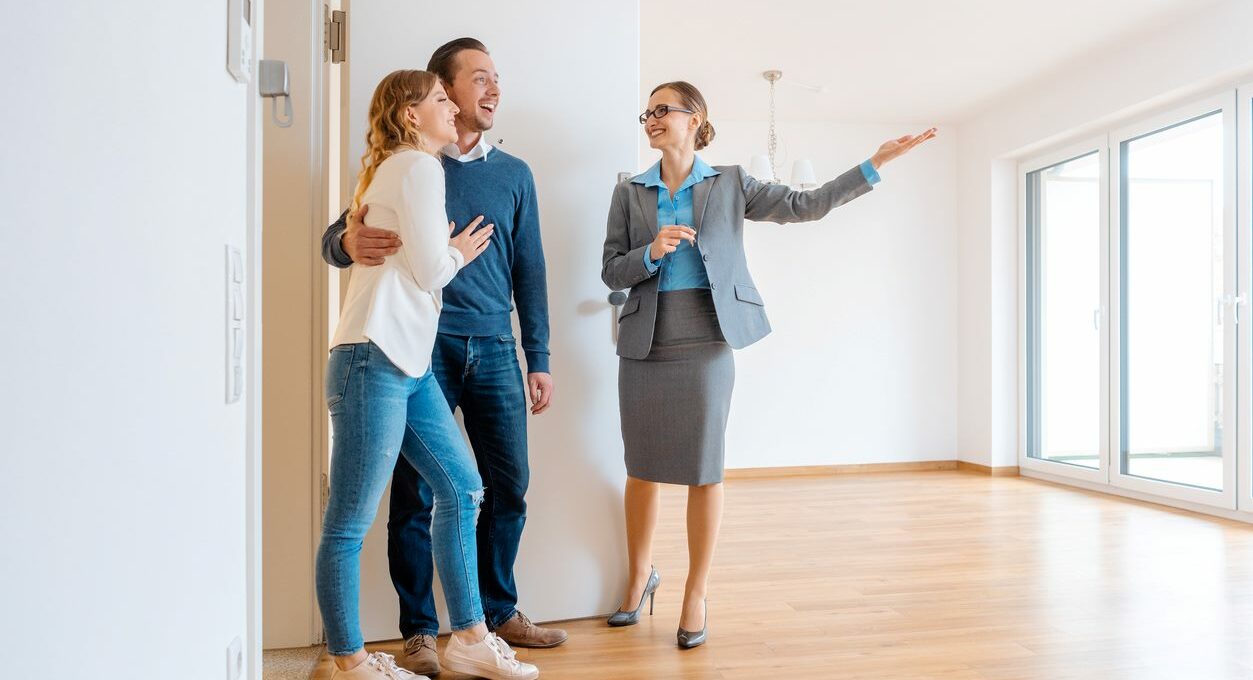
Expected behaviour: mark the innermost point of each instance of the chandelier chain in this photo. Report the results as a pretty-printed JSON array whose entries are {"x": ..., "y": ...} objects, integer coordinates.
[{"x": 772, "y": 140}]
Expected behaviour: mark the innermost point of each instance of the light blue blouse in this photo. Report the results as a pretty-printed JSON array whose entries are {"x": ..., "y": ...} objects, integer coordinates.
[{"x": 684, "y": 269}]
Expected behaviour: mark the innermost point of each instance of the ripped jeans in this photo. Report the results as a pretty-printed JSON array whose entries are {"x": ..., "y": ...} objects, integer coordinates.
[{"x": 377, "y": 412}]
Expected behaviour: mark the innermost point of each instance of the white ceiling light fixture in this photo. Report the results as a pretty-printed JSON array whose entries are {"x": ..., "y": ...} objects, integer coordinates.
[{"x": 762, "y": 166}]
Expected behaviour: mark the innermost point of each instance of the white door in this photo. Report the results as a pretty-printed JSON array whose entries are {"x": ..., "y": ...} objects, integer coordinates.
[
  {"x": 1174, "y": 346},
  {"x": 570, "y": 95},
  {"x": 1064, "y": 419}
]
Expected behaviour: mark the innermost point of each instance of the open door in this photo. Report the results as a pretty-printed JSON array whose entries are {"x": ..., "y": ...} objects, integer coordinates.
[{"x": 568, "y": 108}]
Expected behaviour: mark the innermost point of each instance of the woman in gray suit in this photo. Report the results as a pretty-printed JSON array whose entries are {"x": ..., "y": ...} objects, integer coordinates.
[{"x": 675, "y": 239}]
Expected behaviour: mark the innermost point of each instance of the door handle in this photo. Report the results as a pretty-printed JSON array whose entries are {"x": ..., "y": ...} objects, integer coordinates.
[{"x": 616, "y": 300}]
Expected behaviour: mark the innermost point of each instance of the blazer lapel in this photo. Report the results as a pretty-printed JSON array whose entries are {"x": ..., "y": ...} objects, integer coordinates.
[
  {"x": 700, "y": 196},
  {"x": 647, "y": 199}
]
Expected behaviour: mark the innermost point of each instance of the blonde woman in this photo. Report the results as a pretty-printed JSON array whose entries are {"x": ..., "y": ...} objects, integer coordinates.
[
  {"x": 383, "y": 398},
  {"x": 676, "y": 239}
]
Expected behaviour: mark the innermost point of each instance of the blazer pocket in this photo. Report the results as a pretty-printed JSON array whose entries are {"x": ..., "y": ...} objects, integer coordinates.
[
  {"x": 748, "y": 294},
  {"x": 632, "y": 306}
]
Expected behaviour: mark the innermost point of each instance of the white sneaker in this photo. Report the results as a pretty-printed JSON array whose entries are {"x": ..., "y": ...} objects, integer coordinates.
[
  {"x": 377, "y": 666},
  {"x": 489, "y": 658}
]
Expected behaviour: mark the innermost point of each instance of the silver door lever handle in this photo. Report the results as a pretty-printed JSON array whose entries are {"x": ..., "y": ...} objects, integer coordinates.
[{"x": 616, "y": 300}]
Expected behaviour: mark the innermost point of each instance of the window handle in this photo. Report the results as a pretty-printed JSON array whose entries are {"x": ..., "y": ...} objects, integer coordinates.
[{"x": 1235, "y": 301}]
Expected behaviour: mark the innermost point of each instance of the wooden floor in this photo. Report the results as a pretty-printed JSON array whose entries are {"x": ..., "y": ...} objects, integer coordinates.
[{"x": 938, "y": 575}]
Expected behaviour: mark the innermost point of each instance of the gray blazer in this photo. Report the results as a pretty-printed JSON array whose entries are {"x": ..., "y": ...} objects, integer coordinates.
[{"x": 720, "y": 204}]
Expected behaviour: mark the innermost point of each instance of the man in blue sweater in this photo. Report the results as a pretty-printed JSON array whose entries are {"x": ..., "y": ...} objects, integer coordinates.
[{"x": 475, "y": 361}]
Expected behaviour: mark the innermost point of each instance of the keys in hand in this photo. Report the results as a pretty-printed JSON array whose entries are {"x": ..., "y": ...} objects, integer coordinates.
[{"x": 668, "y": 239}]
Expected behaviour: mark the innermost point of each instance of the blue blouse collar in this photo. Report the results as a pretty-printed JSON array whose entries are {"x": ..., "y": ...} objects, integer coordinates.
[{"x": 651, "y": 177}]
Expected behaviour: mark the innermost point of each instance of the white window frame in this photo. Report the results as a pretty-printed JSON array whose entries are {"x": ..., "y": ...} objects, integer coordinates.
[
  {"x": 1100, "y": 146},
  {"x": 1226, "y": 498},
  {"x": 1244, "y": 339}
]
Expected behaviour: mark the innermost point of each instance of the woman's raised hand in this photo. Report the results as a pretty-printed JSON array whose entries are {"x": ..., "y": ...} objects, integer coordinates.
[
  {"x": 473, "y": 241},
  {"x": 668, "y": 239},
  {"x": 895, "y": 148}
]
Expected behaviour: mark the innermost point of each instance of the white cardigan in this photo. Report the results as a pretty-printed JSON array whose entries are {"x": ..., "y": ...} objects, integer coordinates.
[{"x": 397, "y": 303}]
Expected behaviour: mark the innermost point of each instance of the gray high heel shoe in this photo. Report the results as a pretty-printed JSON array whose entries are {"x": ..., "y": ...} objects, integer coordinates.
[
  {"x": 689, "y": 639},
  {"x": 621, "y": 618}
]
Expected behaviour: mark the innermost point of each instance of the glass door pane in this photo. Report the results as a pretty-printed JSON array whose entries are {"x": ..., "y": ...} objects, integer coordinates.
[
  {"x": 1064, "y": 312},
  {"x": 1172, "y": 304}
]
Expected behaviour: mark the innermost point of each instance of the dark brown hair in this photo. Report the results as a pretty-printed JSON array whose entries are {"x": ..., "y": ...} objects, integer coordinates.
[
  {"x": 694, "y": 100},
  {"x": 443, "y": 62}
]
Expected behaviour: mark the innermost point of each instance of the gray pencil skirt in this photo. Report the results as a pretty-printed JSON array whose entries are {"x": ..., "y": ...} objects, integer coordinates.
[{"x": 674, "y": 403}]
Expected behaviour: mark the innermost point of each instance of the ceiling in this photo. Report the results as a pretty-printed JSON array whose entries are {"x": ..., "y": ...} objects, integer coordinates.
[{"x": 880, "y": 60}]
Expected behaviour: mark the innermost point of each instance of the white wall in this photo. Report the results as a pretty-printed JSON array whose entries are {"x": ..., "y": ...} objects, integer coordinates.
[
  {"x": 1210, "y": 50},
  {"x": 861, "y": 366},
  {"x": 122, "y": 479},
  {"x": 568, "y": 109}
]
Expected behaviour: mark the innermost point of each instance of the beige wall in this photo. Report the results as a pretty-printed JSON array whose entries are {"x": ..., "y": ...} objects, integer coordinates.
[{"x": 294, "y": 414}]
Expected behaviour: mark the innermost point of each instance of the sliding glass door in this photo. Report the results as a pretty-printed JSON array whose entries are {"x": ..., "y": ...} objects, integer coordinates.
[
  {"x": 1175, "y": 273},
  {"x": 1064, "y": 358},
  {"x": 1135, "y": 368}
]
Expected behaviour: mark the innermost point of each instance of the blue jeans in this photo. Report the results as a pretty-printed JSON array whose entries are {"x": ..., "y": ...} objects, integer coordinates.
[
  {"x": 378, "y": 411},
  {"x": 482, "y": 376}
]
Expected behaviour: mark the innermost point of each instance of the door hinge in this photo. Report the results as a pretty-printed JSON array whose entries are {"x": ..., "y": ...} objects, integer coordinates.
[
  {"x": 334, "y": 34},
  {"x": 326, "y": 492}
]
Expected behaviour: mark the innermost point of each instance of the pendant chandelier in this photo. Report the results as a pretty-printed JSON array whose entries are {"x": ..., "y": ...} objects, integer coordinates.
[{"x": 763, "y": 166}]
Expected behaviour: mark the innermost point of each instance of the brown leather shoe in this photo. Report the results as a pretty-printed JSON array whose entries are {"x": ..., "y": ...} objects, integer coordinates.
[
  {"x": 420, "y": 656},
  {"x": 520, "y": 632}
]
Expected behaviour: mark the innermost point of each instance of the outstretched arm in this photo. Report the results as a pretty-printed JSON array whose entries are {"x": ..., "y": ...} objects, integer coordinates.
[{"x": 780, "y": 203}]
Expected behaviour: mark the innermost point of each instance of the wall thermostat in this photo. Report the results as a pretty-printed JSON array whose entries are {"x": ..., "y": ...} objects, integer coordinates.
[{"x": 239, "y": 39}]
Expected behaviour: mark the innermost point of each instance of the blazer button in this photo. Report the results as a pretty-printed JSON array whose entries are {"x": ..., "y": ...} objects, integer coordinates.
[
  {"x": 713, "y": 286},
  {"x": 706, "y": 258}
]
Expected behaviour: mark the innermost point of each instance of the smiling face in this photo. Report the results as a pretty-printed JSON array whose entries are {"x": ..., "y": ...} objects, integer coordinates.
[
  {"x": 475, "y": 88},
  {"x": 435, "y": 117},
  {"x": 675, "y": 129}
]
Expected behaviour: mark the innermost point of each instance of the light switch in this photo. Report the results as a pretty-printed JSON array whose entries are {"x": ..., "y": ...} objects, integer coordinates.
[
  {"x": 237, "y": 266},
  {"x": 235, "y": 314}
]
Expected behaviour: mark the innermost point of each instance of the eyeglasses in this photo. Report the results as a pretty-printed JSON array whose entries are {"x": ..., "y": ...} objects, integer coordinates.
[{"x": 660, "y": 112}]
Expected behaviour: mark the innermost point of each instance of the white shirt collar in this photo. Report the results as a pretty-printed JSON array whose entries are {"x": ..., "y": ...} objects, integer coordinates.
[{"x": 479, "y": 150}]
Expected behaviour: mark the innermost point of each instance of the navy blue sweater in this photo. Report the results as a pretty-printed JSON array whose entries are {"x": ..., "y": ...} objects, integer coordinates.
[{"x": 479, "y": 299}]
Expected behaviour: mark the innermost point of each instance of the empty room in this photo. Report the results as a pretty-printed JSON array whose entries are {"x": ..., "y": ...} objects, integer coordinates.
[{"x": 678, "y": 339}]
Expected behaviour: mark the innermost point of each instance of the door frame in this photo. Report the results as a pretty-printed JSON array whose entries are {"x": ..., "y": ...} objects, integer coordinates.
[
  {"x": 1244, "y": 339},
  {"x": 296, "y": 29},
  {"x": 254, "y": 421}
]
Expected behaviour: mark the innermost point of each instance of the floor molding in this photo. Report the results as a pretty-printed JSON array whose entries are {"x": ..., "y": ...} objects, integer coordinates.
[
  {"x": 1006, "y": 471},
  {"x": 866, "y": 468},
  {"x": 831, "y": 470}
]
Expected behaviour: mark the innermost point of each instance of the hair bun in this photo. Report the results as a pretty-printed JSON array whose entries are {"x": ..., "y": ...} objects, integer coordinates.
[{"x": 705, "y": 135}]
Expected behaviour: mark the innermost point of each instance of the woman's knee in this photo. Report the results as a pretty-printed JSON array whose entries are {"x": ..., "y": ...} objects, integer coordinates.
[{"x": 463, "y": 488}]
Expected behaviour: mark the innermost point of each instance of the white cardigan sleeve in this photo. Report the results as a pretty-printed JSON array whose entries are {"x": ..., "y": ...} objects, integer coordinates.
[{"x": 423, "y": 225}]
